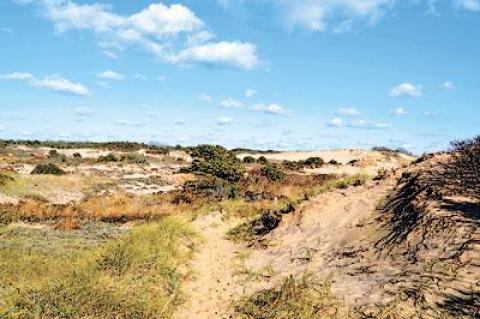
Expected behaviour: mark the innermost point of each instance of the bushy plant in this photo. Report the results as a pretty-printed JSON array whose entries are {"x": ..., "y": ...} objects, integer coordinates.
[
  {"x": 314, "y": 162},
  {"x": 216, "y": 161},
  {"x": 249, "y": 159},
  {"x": 262, "y": 160},
  {"x": 107, "y": 158},
  {"x": 50, "y": 168},
  {"x": 273, "y": 172}
]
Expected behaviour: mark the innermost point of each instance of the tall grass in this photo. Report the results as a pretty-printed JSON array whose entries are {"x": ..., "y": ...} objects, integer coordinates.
[{"x": 135, "y": 276}]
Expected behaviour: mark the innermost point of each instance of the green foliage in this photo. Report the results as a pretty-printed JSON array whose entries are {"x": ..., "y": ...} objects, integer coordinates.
[
  {"x": 216, "y": 161},
  {"x": 50, "y": 168},
  {"x": 107, "y": 158},
  {"x": 314, "y": 162},
  {"x": 273, "y": 172},
  {"x": 127, "y": 158},
  {"x": 249, "y": 159},
  {"x": 262, "y": 160},
  {"x": 213, "y": 188}
]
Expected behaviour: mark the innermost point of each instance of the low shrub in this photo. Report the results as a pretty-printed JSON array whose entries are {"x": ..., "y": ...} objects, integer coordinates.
[
  {"x": 249, "y": 159},
  {"x": 50, "y": 169},
  {"x": 262, "y": 160},
  {"x": 107, "y": 158},
  {"x": 273, "y": 173},
  {"x": 216, "y": 161}
]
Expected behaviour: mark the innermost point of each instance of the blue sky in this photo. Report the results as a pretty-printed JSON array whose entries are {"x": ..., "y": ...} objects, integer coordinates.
[{"x": 297, "y": 74}]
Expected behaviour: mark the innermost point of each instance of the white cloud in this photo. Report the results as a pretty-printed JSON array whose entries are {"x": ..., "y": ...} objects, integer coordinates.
[
  {"x": 2, "y": 128},
  {"x": 52, "y": 82},
  {"x": 348, "y": 111},
  {"x": 110, "y": 75},
  {"x": 205, "y": 98},
  {"x": 362, "y": 124},
  {"x": 238, "y": 54},
  {"x": 399, "y": 111},
  {"x": 271, "y": 108},
  {"x": 231, "y": 103},
  {"x": 224, "y": 121},
  {"x": 251, "y": 92},
  {"x": 358, "y": 123},
  {"x": 471, "y": 5},
  {"x": 171, "y": 33},
  {"x": 447, "y": 85},
  {"x": 407, "y": 89},
  {"x": 336, "y": 122}
]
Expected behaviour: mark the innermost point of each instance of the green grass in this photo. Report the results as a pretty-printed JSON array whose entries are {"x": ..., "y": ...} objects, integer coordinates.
[{"x": 133, "y": 276}]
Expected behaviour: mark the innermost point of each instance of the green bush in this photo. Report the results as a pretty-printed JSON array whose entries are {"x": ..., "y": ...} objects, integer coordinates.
[
  {"x": 216, "y": 161},
  {"x": 314, "y": 162},
  {"x": 273, "y": 173},
  {"x": 262, "y": 160},
  {"x": 249, "y": 159},
  {"x": 107, "y": 158},
  {"x": 50, "y": 168}
]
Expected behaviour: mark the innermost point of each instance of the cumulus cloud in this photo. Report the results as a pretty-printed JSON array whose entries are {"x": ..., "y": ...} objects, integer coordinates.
[
  {"x": 447, "y": 85},
  {"x": 171, "y": 33},
  {"x": 53, "y": 82},
  {"x": 231, "y": 103},
  {"x": 251, "y": 92},
  {"x": 110, "y": 75},
  {"x": 398, "y": 111},
  {"x": 335, "y": 122},
  {"x": 242, "y": 55},
  {"x": 222, "y": 121},
  {"x": 271, "y": 108},
  {"x": 348, "y": 111},
  {"x": 406, "y": 89}
]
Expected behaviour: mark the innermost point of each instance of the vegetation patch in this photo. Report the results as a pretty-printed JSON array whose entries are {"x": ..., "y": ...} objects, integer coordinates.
[
  {"x": 216, "y": 161},
  {"x": 134, "y": 276},
  {"x": 47, "y": 169},
  {"x": 304, "y": 298},
  {"x": 273, "y": 173}
]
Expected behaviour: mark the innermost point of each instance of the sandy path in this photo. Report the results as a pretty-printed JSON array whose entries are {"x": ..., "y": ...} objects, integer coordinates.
[{"x": 211, "y": 291}]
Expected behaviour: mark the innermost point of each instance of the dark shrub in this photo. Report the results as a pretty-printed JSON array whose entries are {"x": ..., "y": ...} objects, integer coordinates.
[
  {"x": 217, "y": 161},
  {"x": 4, "y": 179},
  {"x": 333, "y": 162},
  {"x": 273, "y": 173},
  {"x": 43, "y": 169},
  {"x": 249, "y": 159},
  {"x": 77, "y": 155},
  {"x": 107, "y": 158},
  {"x": 213, "y": 188},
  {"x": 314, "y": 162},
  {"x": 262, "y": 160},
  {"x": 133, "y": 158}
]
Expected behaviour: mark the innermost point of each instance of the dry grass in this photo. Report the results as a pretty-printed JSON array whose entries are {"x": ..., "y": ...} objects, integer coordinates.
[
  {"x": 134, "y": 276},
  {"x": 304, "y": 298},
  {"x": 115, "y": 208}
]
